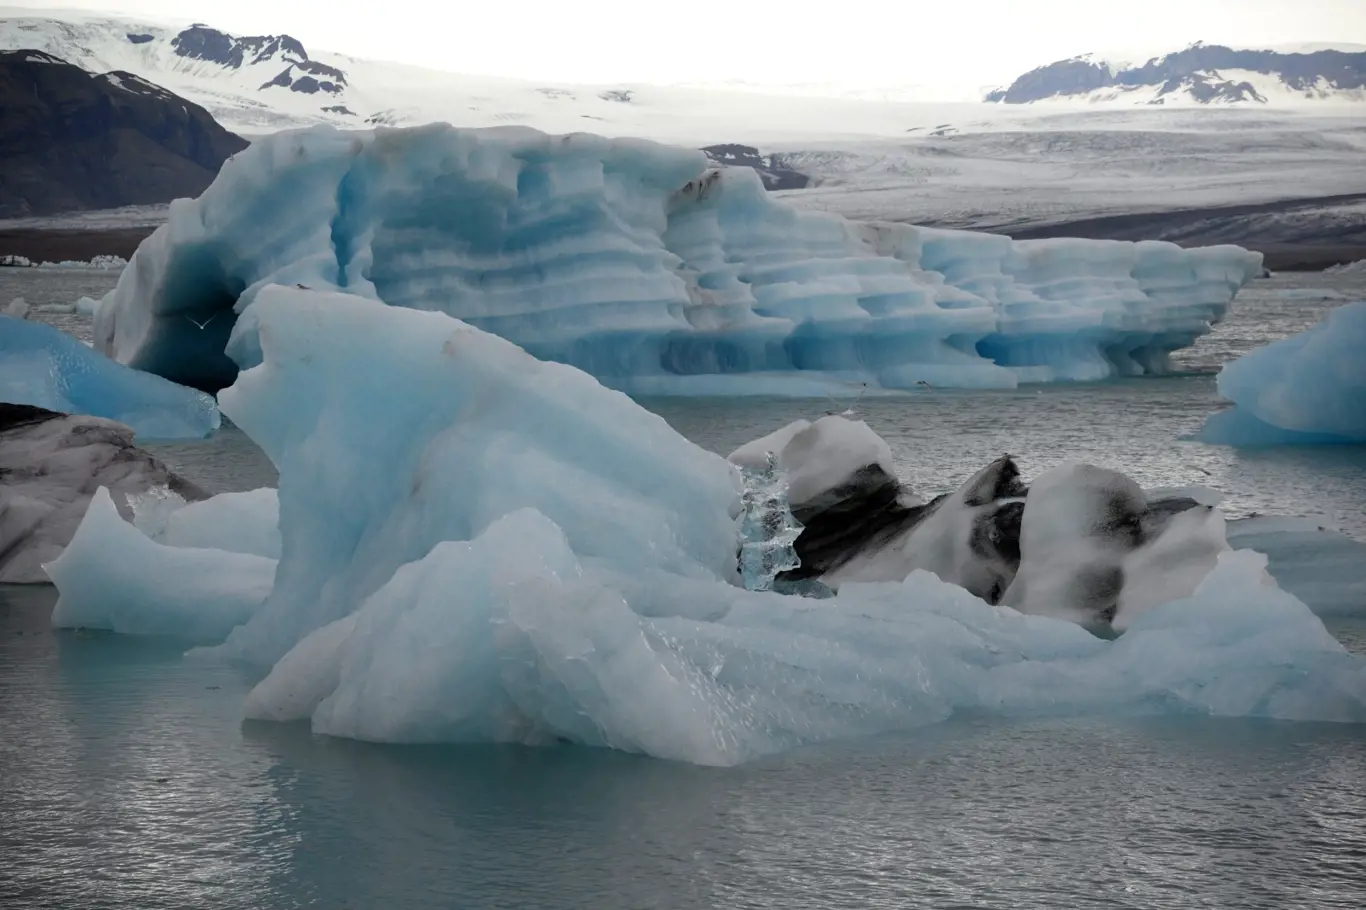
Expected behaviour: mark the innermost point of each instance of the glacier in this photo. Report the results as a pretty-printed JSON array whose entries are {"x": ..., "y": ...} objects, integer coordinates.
[
  {"x": 47, "y": 368},
  {"x": 478, "y": 546},
  {"x": 1306, "y": 389},
  {"x": 646, "y": 269}
]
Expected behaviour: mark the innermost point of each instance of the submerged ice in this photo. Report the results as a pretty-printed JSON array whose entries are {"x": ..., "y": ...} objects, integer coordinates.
[
  {"x": 1309, "y": 388},
  {"x": 479, "y": 546},
  {"x": 637, "y": 264}
]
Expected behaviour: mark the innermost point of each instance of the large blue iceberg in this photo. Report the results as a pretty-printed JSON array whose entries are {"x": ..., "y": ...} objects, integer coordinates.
[
  {"x": 47, "y": 368},
  {"x": 1306, "y": 389},
  {"x": 479, "y": 546},
  {"x": 638, "y": 264}
]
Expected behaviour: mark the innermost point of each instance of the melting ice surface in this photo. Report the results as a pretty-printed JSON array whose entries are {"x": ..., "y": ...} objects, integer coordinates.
[
  {"x": 768, "y": 529},
  {"x": 476, "y": 545},
  {"x": 639, "y": 265},
  {"x": 47, "y": 368},
  {"x": 1309, "y": 388}
]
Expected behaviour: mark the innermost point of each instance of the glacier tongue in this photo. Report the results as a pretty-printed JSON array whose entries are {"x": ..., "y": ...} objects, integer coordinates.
[{"x": 639, "y": 265}]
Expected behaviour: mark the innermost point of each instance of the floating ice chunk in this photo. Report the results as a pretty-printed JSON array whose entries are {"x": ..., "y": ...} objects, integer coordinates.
[
  {"x": 970, "y": 538},
  {"x": 112, "y": 577},
  {"x": 538, "y": 647},
  {"x": 1323, "y": 568},
  {"x": 446, "y": 430},
  {"x": 246, "y": 522},
  {"x": 755, "y": 455},
  {"x": 636, "y": 263},
  {"x": 50, "y": 464},
  {"x": 87, "y": 306},
  {"x": 18, "y": 308},
  {"x": 480, "y": 547},
  {"x": 1094, "y": 552},
  {"x": 528, "y": 652},
  {"x": 859, "y": 523},
  {"x": 47, "y": 368},
  {"x": 101, "y": 262},
  {"x": 828, "y": 454},
  {"x": 1309, "y": 388}
]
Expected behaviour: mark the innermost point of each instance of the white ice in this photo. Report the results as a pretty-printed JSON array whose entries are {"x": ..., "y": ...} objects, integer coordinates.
[
  {"x": 247, "y": 522},
  {"x": 111, "y": 576},
  {"x": 638, "y": 264},
  {"x": 1309, "y": 388}
]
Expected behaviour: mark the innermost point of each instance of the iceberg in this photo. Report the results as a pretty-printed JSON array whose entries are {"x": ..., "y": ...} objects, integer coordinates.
[
  {"x": 1306, "y": 389},
  {"x": 246, "y": 522},
  {"x": 47, "y": 368},
  {"x": 378, "y": 464},
  {"x": 50, "y": 466},
  {"x": 479, "y": 546},
  {"x": 113, "y": 577},
  {"x": 641, "y": 266}
]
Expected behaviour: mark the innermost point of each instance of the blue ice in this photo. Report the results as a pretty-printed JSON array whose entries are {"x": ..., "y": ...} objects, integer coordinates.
[
  {"x": 47, "y": 368},
  {"x": 1306, "y": 389},
  {"x": 636, "y": 263}
]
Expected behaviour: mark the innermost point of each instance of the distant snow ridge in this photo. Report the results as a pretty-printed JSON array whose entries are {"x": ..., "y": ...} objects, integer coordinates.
[
  {"x": 638, "y": 264},
  {"x": 1199, "y": 74}
]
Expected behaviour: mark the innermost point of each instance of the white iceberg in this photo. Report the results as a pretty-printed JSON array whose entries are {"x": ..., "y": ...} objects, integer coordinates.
[
  {"x": 477, "y": 546},
  {"x": 111, "y": 576},
  {"x": 47, "y": 368},
  {"x": 636, "y": 263},
  {"x": 1309, "y": 388}
]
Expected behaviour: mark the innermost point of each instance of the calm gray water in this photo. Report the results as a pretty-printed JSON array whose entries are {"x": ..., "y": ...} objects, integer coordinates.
[{"x": 128, "y": 780}]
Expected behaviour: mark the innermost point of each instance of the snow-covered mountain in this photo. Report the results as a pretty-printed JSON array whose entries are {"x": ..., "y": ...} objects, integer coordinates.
[
  {"x": 71, "y": 139},
  {"x": 1201, "y": 74},
  {"x": 261, "y": 83}
]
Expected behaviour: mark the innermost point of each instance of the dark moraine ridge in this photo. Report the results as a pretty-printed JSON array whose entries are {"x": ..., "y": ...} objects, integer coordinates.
[{"x": 1292, "y": 234}]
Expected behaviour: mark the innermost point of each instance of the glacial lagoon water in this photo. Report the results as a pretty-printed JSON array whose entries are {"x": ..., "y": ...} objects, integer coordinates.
[{"x": 127, "y": 778}]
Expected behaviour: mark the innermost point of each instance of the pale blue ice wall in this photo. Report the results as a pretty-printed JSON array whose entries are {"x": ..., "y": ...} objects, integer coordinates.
[{"x": 636, "y": 263}]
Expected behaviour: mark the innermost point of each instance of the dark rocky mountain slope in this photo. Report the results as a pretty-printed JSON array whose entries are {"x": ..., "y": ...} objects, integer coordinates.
[{"x": 71, "y": 139}]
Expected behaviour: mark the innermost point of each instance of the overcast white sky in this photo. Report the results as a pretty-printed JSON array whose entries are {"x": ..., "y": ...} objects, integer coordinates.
[{"x": 961, "y": 43}]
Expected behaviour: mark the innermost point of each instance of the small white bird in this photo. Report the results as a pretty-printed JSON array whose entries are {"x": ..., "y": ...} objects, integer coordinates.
[{"x": 200, "y": 325}]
